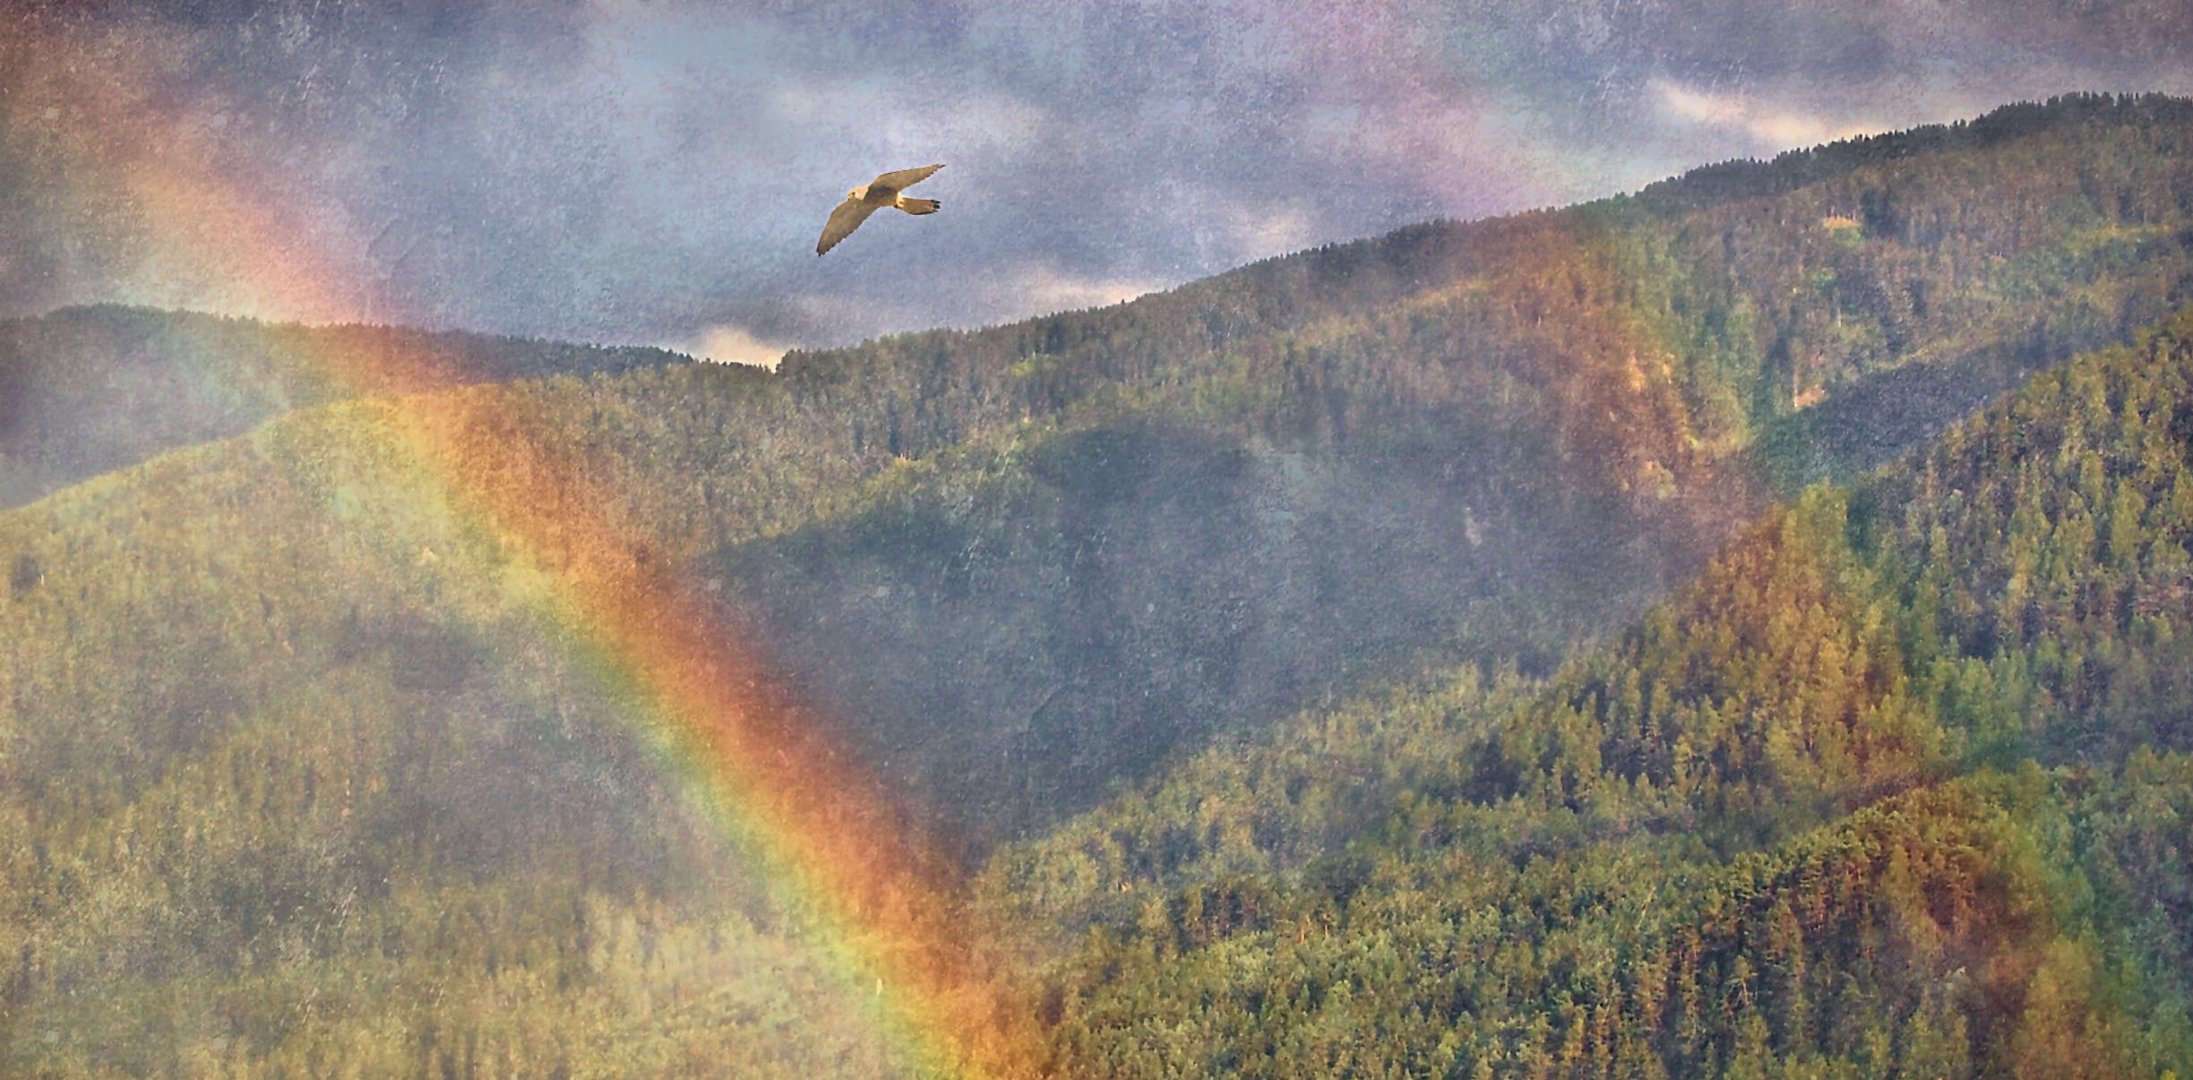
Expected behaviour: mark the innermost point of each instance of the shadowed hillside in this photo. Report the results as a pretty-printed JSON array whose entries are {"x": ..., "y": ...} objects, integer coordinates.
[
  {"x": 89, "y": 390},
  {"x": 1206, "y": 508}
]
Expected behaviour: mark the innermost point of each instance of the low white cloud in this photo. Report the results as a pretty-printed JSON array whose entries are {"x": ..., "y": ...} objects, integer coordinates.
[
  {"x": 1041, "y": 288},
  {"x": 1698, "y": 105},
  {"x": 1767, "y": 127},
  {"x": 1214, "y": 227},
  {"x": 728, "y": 344},
  {"x": 1274, "y": 228}
]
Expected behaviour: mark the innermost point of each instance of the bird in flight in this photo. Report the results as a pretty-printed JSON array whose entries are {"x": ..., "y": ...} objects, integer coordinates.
[{"x": 873, "y": 196}]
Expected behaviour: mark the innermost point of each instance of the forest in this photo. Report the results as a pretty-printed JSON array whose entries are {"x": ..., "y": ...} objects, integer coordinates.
[
  {"x": 1896, "y": 787},
  {"x": 88, "y": 390},
  {"x": 1738, "y": 628}
]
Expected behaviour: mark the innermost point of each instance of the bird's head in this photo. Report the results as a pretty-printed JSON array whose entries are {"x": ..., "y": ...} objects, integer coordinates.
[{"x": 858, "y": 193}]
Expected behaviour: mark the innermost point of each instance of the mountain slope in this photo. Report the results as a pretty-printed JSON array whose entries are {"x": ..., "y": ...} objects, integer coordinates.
[
  {"x": 291, "y": 759},
  {"x": 1896, "y": 788},
  {"x": 1476, "y": 441},
  {"x": 89, "y": 390}
]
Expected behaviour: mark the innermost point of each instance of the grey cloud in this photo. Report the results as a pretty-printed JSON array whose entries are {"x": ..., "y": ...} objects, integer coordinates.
[{"x": 646, "y": 172}]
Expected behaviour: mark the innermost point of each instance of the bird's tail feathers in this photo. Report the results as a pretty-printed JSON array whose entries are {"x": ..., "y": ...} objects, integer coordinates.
[{"x": 919, "y": 206}]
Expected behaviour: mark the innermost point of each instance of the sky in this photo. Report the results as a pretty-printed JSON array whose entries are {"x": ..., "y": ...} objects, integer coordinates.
[{"x": 657, "y": 173}]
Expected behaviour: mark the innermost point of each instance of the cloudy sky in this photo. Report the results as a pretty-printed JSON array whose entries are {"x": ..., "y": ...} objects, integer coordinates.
[{"x": 657, "y": 172}]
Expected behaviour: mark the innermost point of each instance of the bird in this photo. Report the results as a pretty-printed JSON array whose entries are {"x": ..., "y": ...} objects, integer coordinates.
[{"x": 872, "y": 196}]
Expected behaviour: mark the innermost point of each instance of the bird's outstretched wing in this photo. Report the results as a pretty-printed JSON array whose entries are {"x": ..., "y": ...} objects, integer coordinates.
[
  {"x": 905, "y": 178},
  {"x": 843, "y": 221}
]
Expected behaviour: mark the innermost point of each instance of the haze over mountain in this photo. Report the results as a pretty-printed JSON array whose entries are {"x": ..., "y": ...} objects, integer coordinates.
[
  {"x": 89, "y": 390},
  {"x": 307, "y": 761}
]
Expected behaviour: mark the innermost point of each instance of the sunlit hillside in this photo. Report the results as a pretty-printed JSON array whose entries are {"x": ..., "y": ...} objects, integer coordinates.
[{"x": 1897, "y": 787}]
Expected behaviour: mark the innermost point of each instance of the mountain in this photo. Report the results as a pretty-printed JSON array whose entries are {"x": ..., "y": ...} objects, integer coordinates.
[
  {"x": 1202, "y": 510},
  {"x": 89, "y": 390},
  {"x": 304, "y": 758},
  {"x": 1898, "y": 786}
]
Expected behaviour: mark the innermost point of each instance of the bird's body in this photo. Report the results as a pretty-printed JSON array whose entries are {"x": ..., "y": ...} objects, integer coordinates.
[{"x": 884, "y": 190}]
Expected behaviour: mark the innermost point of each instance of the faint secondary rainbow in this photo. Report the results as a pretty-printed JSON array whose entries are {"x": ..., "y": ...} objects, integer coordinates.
[{"x": 888, "y": 911}]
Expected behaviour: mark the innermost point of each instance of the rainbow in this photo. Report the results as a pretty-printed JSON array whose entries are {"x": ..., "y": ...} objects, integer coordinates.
[{"x": 888, "y": 911}]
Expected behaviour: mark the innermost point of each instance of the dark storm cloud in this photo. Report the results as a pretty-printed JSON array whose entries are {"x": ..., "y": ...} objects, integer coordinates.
[{"x": 657, "y": 173}]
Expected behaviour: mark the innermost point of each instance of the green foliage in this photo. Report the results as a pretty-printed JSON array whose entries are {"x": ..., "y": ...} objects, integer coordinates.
[
  {"x": 298, "y": 773},
  {"x": 1636, "y": 368},
  {"x": 88, "y": 390},
  {"x": 1896, "y": 787}
]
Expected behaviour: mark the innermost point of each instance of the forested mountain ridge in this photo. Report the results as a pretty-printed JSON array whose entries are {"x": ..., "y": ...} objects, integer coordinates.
[
  {"x": 292, "y": 761},
  {"x": 1898, "y": 787},
  {"x": 1588, "y": 400},
  {"x": 88, "y": 390}
]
